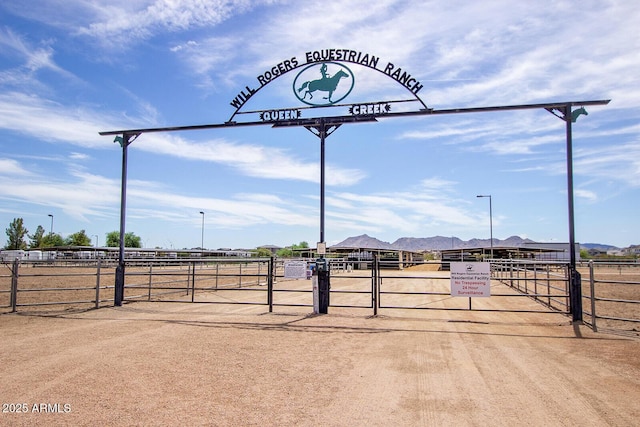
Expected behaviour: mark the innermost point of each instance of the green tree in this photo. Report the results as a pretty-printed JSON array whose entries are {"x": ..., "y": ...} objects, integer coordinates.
[
  {"x": 36, "y": 238},
  {"x": 78, "y": 239},
  {"x": 284, "y": 252},
  {"x": 288, "y": 251},
  {"x": 52, "y": 239},
  {"x": 130, "y": 240},
  {"x": 262, "y": 253},
  {"x": 16, "y": 233},
  {"x": 113, "y": 239}
]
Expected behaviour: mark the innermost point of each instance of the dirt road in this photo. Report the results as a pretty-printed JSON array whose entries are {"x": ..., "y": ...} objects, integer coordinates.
[{"x": 196, "y": 364}]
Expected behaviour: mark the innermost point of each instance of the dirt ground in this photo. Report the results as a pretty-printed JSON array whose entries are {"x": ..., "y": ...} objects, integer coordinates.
[{"x": 152, "y": 363}]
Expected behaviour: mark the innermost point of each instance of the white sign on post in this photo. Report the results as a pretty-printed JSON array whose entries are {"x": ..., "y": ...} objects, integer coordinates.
[
  {"x": 470, "y": 279},
  {"x": 322, "y": 248},
  {"x": 295, "y": 269}
]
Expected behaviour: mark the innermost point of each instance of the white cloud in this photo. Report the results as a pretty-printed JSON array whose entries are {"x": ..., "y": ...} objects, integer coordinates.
[
  {"x": 251, "y": 160},
  {"x": 79, "y": 156},
  {"x": 80, "y": 127},
  {"x": 80, "y": 195},
  {"x": 239, "y": 211},
  {"x": 616, "y": 162},
  {"x": 50, "y": 120},
  {"x": 9, "y": 167},
  {"x": 34, "y": 59},
  {"x": 585, "y": 194},
  {"x": 124, "y": 24},
  {"x": 402, "y": 212}
]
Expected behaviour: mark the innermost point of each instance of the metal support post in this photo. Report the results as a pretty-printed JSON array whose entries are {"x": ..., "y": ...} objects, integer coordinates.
[
  {"x": 323, "y": 265},
  {"x": 322, "y": 130},
  {"x": 324, "y": 287},
  {"x": 124, "y": 141},
  {"x": 575, "y": 281}
]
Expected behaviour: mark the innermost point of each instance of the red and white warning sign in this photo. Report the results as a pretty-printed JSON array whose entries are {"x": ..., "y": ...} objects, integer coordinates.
[{"x": 470, "y": 279}]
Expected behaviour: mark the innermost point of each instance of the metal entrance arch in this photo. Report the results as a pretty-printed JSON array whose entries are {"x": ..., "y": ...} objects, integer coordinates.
[{"x": 325, "y": 126}]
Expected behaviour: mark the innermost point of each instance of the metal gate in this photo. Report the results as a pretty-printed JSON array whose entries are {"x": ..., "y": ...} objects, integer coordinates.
[
  {"x": 369, "y": 285},
  {"x": 387, "y": 285}
]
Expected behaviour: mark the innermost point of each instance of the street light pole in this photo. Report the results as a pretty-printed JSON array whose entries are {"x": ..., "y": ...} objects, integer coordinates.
[
  {"x": 490, "y": 220},
  {"x": 202, "y": 239},
  {"x": 51, "y": 232}
]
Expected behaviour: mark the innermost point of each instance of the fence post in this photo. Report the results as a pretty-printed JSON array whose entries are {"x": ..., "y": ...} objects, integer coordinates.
[
  {"x": 535, "y": 280},
  {"x": 150, "y": 280},
  {"x": 511, "y": 273},
  {"x": 568, "y": 299},
  {"x": 374, "y": 285},
  {"x": 14, "y": 285},
  {"x": 98, "y": 283},
  {"x": 259, "y": 269},
  {"x": 549, "y": 285},
  {"x": 270, "y": 285},
  {"x": 188, "y": 277},
  {"x": 193, "y": 282},
  {"x": 592, "y": 285},
  {"x": 575, "y": 293},
  {"x": 518, "y": 268}
]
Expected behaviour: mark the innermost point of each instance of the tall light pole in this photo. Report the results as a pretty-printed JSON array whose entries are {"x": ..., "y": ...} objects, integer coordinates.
[
  {"x": 96, "y": 240},
  {"x": 202, "y": 240},
  {"x": 490, "y": 220},
  {"x": 51, "y": 232}
]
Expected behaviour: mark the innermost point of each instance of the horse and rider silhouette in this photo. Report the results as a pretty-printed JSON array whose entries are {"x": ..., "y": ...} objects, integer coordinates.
[{"x": 325, "y": 84}]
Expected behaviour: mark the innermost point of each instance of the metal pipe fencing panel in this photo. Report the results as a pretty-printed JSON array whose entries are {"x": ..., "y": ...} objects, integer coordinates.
[
  {"x": 427, "y": 286},
  {"x": 39, "y": 284},
  {"x": 611, "y": 291},
  {"x": 545, "y": 282},
  {"x": 212, "y": 281},
  {"x": 613, "y": 296}
]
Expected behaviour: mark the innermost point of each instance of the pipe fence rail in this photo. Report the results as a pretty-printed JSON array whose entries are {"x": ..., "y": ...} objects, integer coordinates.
[
  {"x": 610, "y": 291},
  {"x": 36, "y": 284},
  {"x": 431, "y": 289},
  {"x": 612, "y": 294},
  {"x": 214, "y": 281},
  {"x": 545, "y": 282}
]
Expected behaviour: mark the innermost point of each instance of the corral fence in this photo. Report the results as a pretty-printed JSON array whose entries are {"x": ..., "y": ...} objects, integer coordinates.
[
  {"x": 545, "y": 282},
  {"x": 612, "y": 295},
  {"x": 610, "y": 290},
  {"x": 427, "y": 286},
  {"x": 90, "y": 283}
]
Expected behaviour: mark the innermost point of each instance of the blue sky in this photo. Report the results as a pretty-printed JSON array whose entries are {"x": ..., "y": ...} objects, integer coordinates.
[{"x": 71, "y": 69}]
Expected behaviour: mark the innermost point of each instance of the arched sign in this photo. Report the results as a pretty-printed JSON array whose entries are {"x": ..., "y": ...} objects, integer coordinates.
[{"x": 325, "y": 81}]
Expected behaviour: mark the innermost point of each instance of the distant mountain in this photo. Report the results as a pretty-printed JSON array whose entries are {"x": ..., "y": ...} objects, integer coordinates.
[
  {"x": 428, "y": 243},
  {"x": 598, "y": 246},
  {"x": 439, "y": 243},
  {"x": 364, "y": 241}
]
